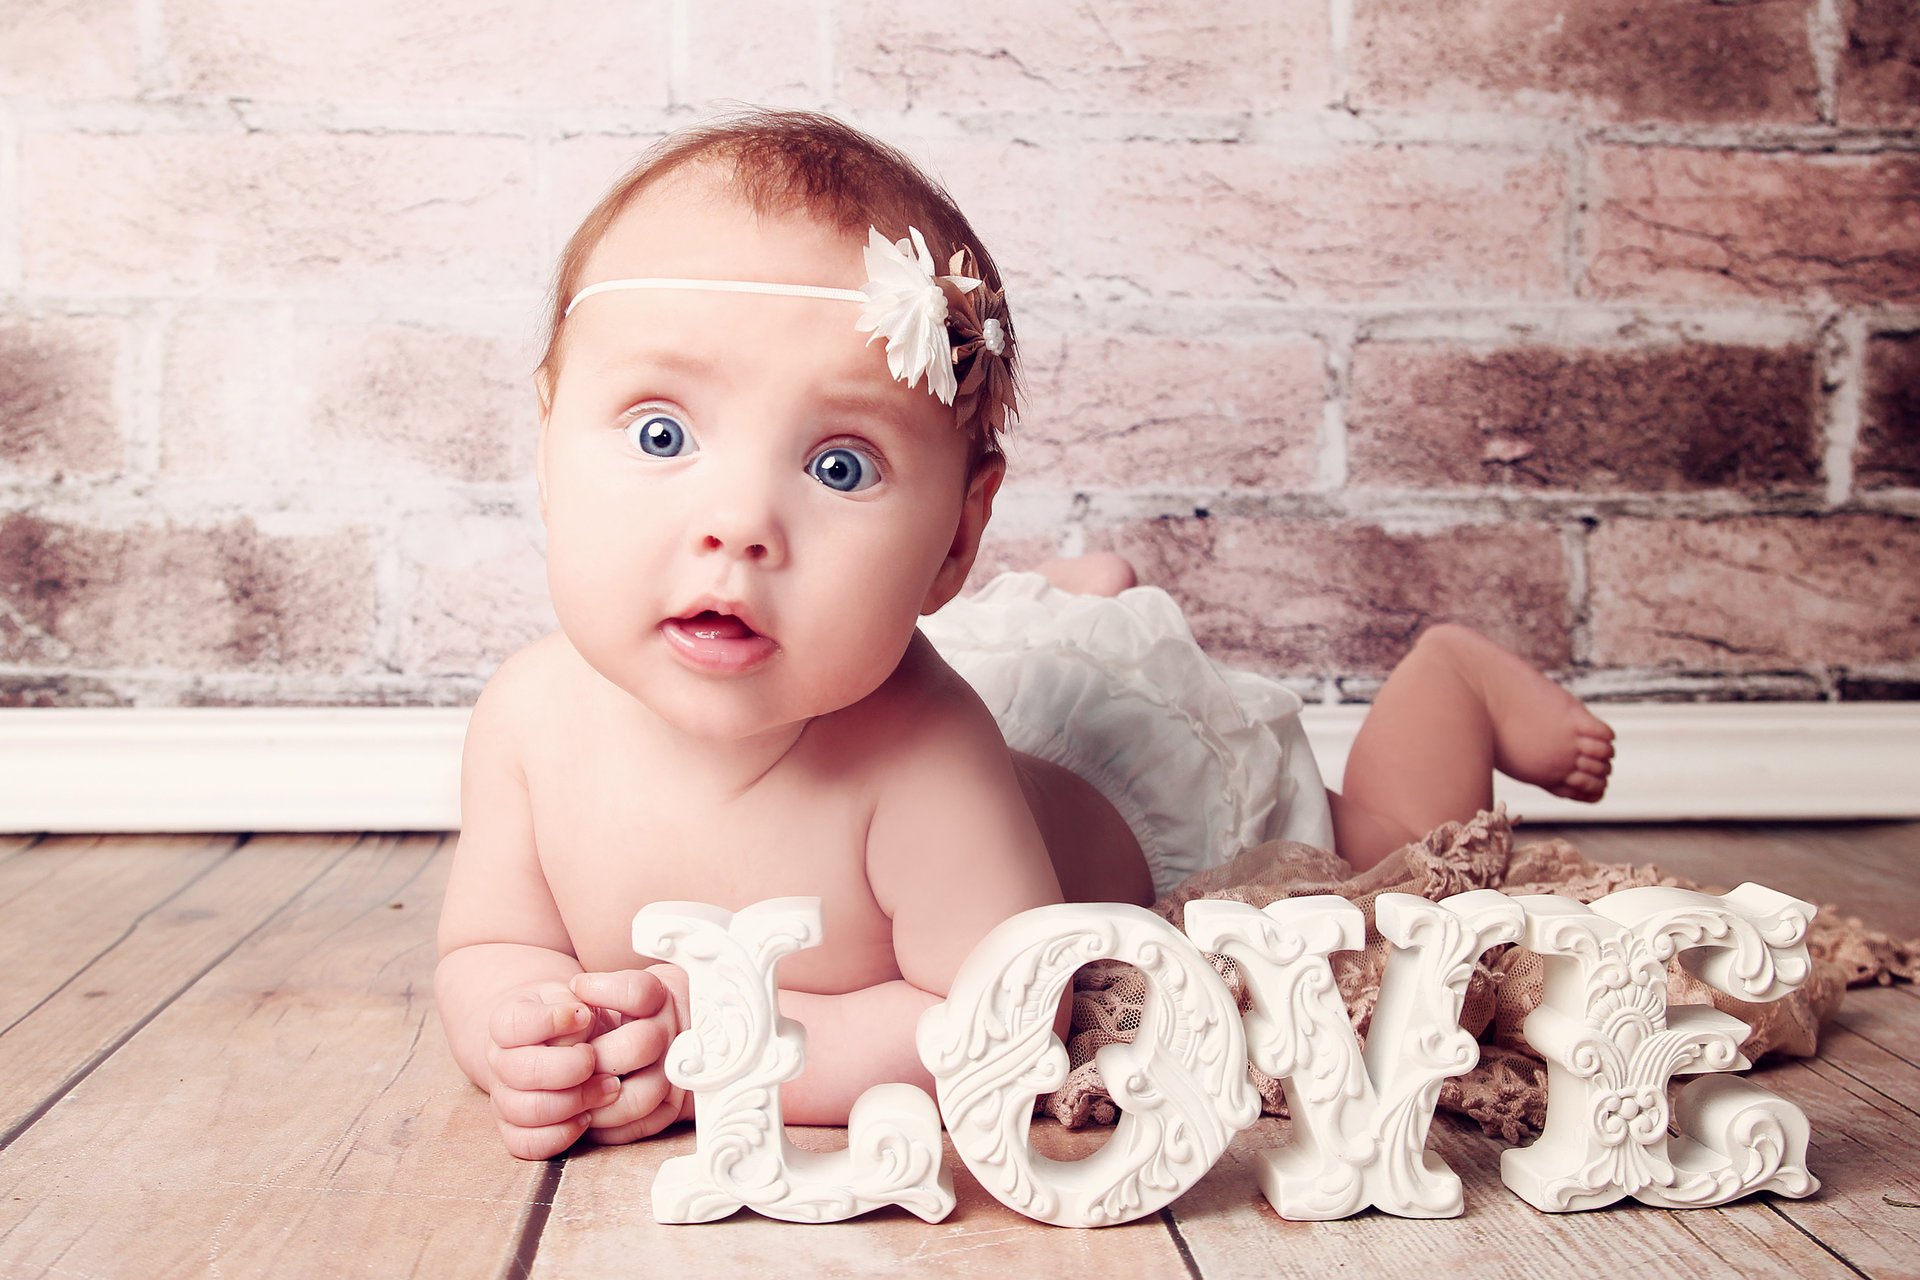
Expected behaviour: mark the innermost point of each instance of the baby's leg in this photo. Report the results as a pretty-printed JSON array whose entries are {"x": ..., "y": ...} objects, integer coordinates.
[
  {"x": 1101, "y": 574},
  {"x": 1457, "y": 708}
]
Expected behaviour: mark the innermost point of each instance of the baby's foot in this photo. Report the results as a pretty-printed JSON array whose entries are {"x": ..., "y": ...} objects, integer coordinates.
[
  {"x": 1541, "y": 733},
  {"x": 1100, "y": 574}
]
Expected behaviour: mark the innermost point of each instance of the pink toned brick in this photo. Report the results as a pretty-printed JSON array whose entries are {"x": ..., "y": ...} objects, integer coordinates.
[
  {"x": 68, "y": 48},
  {"x": 367, "y": 51},
  {"x": 476, "y": 591},
  {"x": 349, "y": 214},
  {"x": 1339, "y": 223},
  {"x": 1880, "y": 66},
  {"x": 1601, "y": 59},
  {"x": 772, "y": 52},
  {"x": 1014, "y": 193},
  {"x": 1756, "y": 592},
  {"x": 250, "y": 397},
  {"x": 1137, "y": 411},
  {"x": 1889, "y": 453},
  {"x": 582, "y": 170},
  {"x": 223, "y": 598},
  {"x": 225, "y": 413},
  {"x": 59, "y": 378},
  {"x": 1696, "y": 416},
  {"x": 1000, "y": 554},
  {"x": 392, "y": 403},
  {"x": 59, "y": 690},
  {"x": 1299, "y": 597},
  {"x": 1009, "y": 55},
  {"x": 1687, "y": 225}
]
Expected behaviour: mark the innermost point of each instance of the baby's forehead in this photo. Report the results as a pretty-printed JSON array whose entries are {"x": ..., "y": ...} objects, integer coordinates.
[{"x": 696, "y": 223}]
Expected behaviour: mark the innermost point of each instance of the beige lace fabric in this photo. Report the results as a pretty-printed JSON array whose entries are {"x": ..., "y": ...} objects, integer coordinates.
[{"x": 1507, "y": 1091}]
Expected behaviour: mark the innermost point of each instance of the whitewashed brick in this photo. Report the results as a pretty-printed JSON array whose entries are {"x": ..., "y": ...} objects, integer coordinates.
[
  {"x": 1338, "y": 223},
  {"x": 475, "y": 591},
  {"x": 1014, "y": 55},
  {"x": 1138, "y": 411},
  {"x": 489, "y": 53},
  {"x": 390, "y": 405},
  {"x": 59, "y": 381},
  {"x": 68, "y": 48},
  {"x": 166, "y": 213},
  {"x": 770, "y": 52}
]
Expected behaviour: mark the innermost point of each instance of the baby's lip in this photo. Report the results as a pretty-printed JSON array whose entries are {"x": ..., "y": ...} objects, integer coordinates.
[{"x": 718, "y": 637}]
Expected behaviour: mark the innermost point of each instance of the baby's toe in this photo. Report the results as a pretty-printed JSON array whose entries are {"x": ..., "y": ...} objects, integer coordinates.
[
  {"x": 1589, "y": 725},
  {"x": 1582, "y": 785}
]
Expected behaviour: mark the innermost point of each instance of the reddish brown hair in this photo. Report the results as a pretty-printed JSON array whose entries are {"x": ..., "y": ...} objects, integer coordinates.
[{"x": 779, "y": 162}]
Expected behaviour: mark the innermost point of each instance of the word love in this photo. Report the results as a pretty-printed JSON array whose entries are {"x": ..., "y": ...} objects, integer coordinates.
[{"x": 1360, "y": 1117}]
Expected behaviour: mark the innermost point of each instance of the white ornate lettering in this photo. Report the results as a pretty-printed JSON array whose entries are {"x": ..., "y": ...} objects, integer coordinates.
[
  {"x": 1182, "y": 1084},
  {"x": 735, "y": 1057},
  {"x": 1612, "y": 1045},
  {"x": 1360, "y": 1120}
]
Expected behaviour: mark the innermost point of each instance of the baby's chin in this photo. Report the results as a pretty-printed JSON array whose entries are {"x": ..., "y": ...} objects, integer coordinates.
[{"x": 724, "y": 713}]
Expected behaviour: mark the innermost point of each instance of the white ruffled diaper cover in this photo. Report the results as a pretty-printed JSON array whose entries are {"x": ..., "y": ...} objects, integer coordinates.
[{"x": 1201, "y": 760}]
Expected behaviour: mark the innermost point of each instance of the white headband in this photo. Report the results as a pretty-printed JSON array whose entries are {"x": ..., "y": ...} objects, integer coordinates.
[
  {"x": 903, "y": 301},
  {"x": 720, "y": 286}
]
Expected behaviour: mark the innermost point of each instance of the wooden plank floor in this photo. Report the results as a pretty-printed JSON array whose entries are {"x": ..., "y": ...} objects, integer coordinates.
[{"x": 218, "y": 1056}]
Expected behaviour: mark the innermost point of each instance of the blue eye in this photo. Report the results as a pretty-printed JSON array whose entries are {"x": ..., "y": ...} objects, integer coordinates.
[
  {"x": 660, "y": 435},
  {"x": 844, "y": 470}
]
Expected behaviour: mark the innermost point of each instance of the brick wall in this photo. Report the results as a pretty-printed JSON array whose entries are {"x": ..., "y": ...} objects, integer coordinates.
[{"x": 1595, "y": 325}]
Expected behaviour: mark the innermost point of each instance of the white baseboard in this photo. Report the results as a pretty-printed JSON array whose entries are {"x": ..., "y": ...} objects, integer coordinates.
[{"x": 296, "y": 769}]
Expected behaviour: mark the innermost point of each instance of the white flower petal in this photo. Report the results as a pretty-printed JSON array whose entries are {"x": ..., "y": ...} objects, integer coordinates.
[{"x": 906, "y": 306}]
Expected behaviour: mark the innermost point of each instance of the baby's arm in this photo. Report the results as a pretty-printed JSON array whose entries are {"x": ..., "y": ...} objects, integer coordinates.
[
  {"x": 513, "y": 1024},
  {"x": 951, "y": 852}
]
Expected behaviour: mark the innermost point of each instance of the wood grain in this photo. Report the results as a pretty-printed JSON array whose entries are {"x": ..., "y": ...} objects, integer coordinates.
[
  {"x": 602, "y": 1220},
  {"x": 117, "y": 931},
  {"x": 261, "y": 1089},
  {"x": 293, "y": 1113},
  {"x": 1231, "y": 1230},
  {"x": 1865, "y": 874}
]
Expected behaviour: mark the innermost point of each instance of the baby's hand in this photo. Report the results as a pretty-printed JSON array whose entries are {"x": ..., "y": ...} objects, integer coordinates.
[
  {"x": 544, "y": 1082},
  {"x": 642, "y": 1010}
]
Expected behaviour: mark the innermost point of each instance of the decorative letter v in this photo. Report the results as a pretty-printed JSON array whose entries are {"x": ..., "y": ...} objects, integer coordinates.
[{"x": 1360, "y": 1121}]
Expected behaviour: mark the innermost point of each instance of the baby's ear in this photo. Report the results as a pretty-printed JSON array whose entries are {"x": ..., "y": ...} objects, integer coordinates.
[{"x": 975, "y": 510}]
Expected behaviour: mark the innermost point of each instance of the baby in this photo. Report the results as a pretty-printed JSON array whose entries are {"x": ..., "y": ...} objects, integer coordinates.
[{"x": 777, "y": 369}]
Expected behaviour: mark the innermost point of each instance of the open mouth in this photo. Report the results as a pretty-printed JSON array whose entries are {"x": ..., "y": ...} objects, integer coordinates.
[{"x": 719, "y": 642}]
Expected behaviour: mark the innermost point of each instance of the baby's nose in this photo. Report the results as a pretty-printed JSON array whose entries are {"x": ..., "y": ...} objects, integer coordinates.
[
  {"x": 746, "y": 548},
  {"x": 747, "y": 531}
]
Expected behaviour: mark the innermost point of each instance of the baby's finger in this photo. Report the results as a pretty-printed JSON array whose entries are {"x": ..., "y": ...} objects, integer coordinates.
[
  {"x": 645, "y": 1127},
  {"x": 633, "y": 992},
  {"x": 538, "y": 1108},
  {"x": 639, "y": 1094},
  {"x": 630, "y": 1046},
  {"x": 531, "y": 1020},
  {"x": 543, "y": 1067},
  {"x": 544, "y": 1142}
]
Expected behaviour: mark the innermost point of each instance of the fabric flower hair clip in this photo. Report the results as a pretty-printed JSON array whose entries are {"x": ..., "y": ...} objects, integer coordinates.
[{"x": 951, "y": 329}]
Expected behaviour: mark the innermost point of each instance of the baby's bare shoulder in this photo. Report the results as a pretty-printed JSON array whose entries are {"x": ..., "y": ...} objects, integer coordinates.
[
  {"x": 530, "y": 686},
  {"x": 923, "y": 715}
]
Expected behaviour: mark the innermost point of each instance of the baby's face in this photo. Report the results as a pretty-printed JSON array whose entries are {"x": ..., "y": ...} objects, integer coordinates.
[{"x": 745, "y": 513}]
